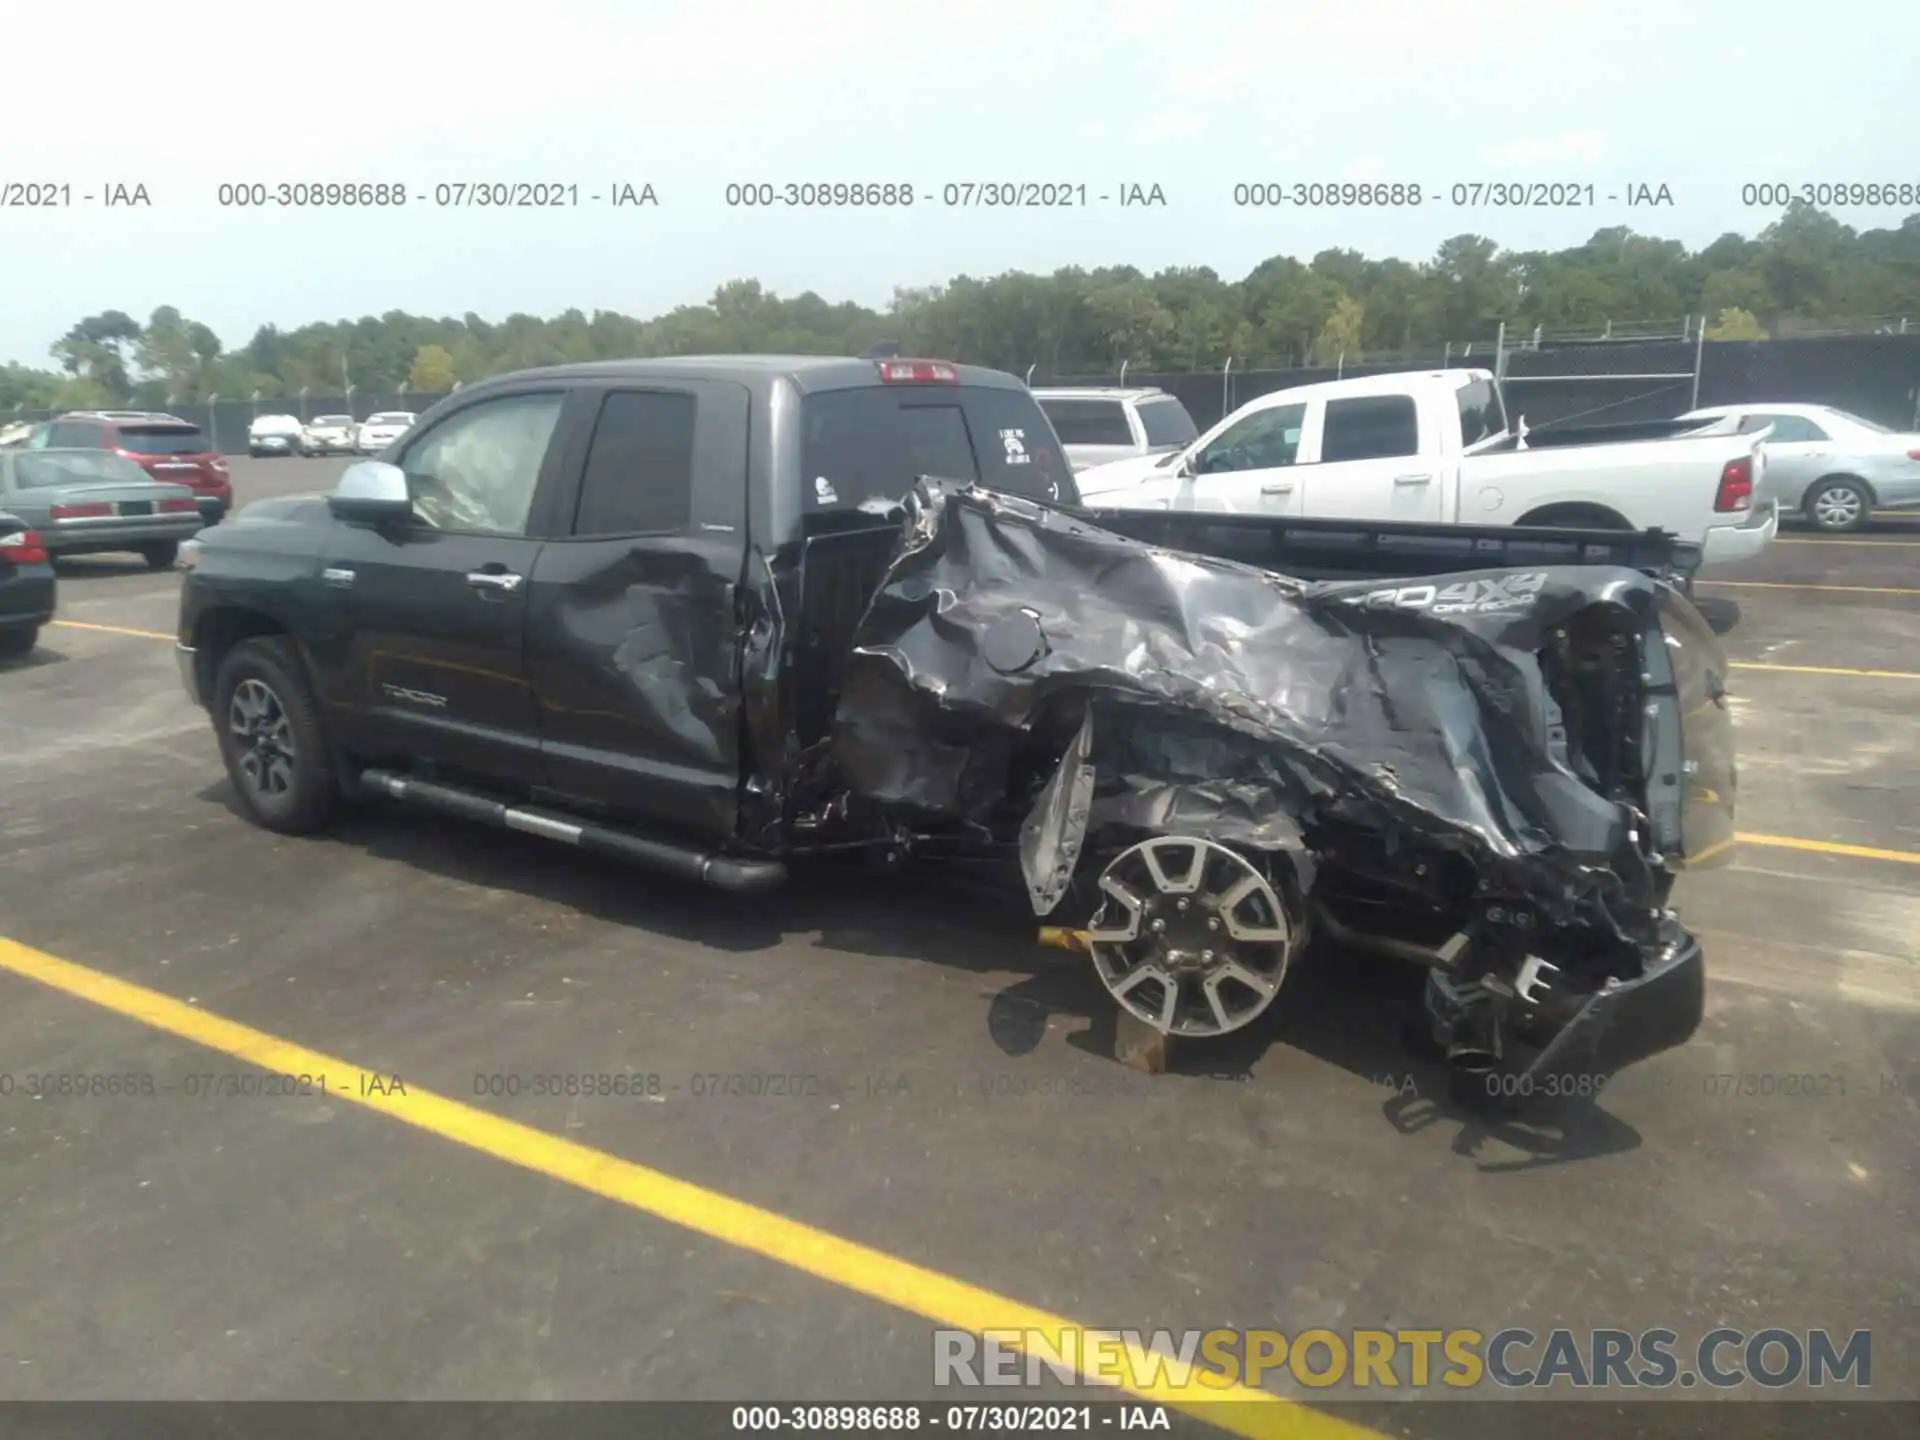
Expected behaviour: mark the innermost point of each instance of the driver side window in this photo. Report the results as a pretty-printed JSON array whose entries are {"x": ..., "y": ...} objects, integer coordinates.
[
  {"x": 1264, "y": 440},
  {"x": 477, "y": 470}
]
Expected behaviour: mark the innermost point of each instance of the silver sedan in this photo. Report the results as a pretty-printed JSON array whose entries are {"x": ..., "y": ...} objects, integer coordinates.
[
  {"x": 83, "y": 502},
  {"x": 1832, "y": 467}
]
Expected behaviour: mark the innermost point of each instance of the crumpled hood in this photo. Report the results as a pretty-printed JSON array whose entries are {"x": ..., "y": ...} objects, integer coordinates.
[{"x": 1232, "y": 695}]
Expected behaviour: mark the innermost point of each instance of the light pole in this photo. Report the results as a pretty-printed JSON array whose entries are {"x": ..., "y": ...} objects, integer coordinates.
[{"x": 303, "y": 403}]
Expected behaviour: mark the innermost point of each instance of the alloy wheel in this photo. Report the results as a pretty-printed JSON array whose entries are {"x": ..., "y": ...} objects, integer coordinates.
[
  {"x": 1190, "y": 937},
  {"x": 263, "y": 739}
]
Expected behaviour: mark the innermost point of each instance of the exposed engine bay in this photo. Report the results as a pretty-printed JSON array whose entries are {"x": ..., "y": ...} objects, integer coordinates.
[{"x": 1201, "y": 764}]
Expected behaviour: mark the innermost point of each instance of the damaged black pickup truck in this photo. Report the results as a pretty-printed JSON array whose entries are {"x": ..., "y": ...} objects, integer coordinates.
[{"x": 715, "y": 614}]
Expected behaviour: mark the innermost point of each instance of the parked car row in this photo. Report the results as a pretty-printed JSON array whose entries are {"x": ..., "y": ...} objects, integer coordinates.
[
  {"x": 1815, "y": 463},
  {"x": 1439, "y": 447},
  {"x": 170, "y": 450},
  {"x": 326, "y": 434}
]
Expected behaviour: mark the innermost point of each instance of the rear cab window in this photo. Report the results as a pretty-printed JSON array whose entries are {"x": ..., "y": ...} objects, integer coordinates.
[
  {"x": 1088, "y": 422},
  {"x": 864, "y": 448},
  {"x": 1167, "y": 424},
  {"x": 162, "y": 439}
]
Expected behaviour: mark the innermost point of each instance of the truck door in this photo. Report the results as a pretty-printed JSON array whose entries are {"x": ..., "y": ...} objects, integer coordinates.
[
  {"x": 632, "y": 637},
  {"x": 1249, "y": 468},
  {"x": 1368, "y": 459},
  {"x": 429, "y": 663}
]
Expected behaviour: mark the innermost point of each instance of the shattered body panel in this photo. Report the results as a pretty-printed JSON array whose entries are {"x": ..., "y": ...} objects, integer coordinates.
[{"x": 1469, "y": 758}]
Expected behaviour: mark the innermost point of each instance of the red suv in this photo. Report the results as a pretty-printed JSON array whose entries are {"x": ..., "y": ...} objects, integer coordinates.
[{"x": 165, "y": 446}]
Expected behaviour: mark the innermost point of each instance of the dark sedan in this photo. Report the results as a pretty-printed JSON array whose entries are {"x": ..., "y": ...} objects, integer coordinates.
[
  {"x": 86, "y": 501},
  {"x": 26, "y": 586}
]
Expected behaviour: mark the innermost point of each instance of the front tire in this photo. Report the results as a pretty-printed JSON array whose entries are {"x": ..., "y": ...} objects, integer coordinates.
[
  {"x": 161, "y": 555},
  {"x": 273, "y": 738},
  {"x": 1839, "y": 506},
  {"x": 18, "y": 640}
]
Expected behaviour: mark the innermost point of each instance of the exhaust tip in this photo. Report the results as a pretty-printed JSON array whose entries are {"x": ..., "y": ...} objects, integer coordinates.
[{"x": 1472, "y": 1059}]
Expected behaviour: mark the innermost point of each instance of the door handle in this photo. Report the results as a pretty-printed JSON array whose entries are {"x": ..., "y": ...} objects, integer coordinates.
[
  {"x": 1413, "y": 479},
  {"x": 337, "y": 577},
  {"x": 1277, "y": 487},
  {"x": 504, "y": 581}
]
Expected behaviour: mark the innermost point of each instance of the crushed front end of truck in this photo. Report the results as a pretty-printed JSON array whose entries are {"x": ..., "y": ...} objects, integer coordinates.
[{"x": 1495, "y": 775}]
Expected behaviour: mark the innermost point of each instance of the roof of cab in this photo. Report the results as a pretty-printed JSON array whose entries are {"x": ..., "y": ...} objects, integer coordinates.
[{"x": 809, "y": 373}]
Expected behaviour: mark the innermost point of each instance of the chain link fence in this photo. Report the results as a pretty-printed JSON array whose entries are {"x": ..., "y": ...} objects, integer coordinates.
[
  {"x": 1604, "y": 380},
  {"x": 1602, "y": 377}
]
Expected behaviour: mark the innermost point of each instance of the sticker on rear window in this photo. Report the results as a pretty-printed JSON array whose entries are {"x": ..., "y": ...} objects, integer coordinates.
[
  {"x": 824, "y": 492},
  {"x": 1015, "y": 443}
]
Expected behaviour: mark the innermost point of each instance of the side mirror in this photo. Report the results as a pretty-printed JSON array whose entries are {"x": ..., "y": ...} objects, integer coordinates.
[{"x": 371, "y": 492}]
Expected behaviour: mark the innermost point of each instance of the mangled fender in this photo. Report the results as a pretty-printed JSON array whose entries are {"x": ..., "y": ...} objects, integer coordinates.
[{"x": 1230, "y": 702}]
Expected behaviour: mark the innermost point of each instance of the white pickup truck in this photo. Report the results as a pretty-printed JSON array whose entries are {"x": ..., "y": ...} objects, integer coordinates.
[{"x": 1436, "y": 446}]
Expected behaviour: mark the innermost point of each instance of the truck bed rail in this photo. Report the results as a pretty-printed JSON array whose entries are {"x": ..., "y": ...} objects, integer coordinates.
[{"x": 1354, "y": 549}]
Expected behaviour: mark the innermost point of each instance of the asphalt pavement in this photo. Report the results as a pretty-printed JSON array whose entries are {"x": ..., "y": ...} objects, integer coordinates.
[{"x": 895, "y": 1064}]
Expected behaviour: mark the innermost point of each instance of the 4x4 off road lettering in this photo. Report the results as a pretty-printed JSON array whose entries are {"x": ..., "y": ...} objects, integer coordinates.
[{"x": 1469, "y": 597}]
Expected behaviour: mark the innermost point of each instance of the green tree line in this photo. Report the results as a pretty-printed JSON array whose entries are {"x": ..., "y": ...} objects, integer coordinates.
[{"x": 1806, "y": 265}]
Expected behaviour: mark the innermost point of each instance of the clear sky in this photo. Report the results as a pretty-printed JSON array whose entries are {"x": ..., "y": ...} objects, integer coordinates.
[{"x": 1195, "y": 96}]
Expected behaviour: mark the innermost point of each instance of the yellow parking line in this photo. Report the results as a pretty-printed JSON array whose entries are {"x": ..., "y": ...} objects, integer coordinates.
[
  {"x": 1830, "y": 847},
  {"x": 1795, "y": 585},
  {"x": 1827, "y": 670},
  {"x": 114, "y": 629},
  {"x": 942, "y": 1299}
]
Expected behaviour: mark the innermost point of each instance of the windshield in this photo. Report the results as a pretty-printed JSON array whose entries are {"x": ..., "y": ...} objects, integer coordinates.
[
  {"x": 332, "y": 420},
  {"x": 869, "y": 445},
  {"x": 1862, "y": 421},
  {"x": 390, "y": 419},
  {"x": 162, "y": 439},
  {"x": 86, "y": 467},
  {"x": 1167, "y": 423}
]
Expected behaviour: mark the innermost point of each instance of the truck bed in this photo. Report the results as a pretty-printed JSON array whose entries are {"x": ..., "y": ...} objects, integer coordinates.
[{"x": 841, "y": 570}]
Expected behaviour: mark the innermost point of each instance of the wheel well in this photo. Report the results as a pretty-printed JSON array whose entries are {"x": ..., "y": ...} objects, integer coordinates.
[
  {"x": 218, "y": 631},
  {"x": 1850, "y": 479},
  {"x": 1577, "y": 516}
]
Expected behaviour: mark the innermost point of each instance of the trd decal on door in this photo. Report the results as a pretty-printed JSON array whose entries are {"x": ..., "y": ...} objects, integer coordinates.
[
  {"x": 415, "y": 697},
  {"x": 1472, "y": 597}
]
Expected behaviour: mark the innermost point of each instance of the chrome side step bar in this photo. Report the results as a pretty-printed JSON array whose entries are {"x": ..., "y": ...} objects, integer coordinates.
[{"x": 722, "y": 872}]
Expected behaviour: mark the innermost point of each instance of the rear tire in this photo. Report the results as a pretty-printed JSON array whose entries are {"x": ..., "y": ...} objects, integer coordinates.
[
  {"x": 18, "y": 640},
  {"x": 1839, "y": 506},
  {"x": 160, "y": 556},
  {"x": 273, "y": 738}
]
